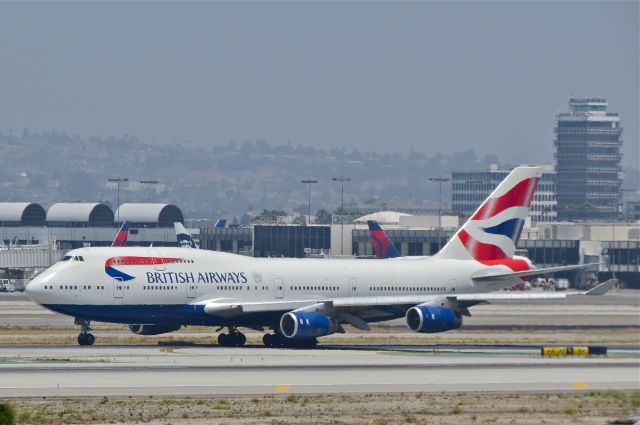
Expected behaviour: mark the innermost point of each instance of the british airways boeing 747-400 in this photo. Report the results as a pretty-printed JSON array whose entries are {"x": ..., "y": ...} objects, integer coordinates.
[{"x": 159, "y": 290}]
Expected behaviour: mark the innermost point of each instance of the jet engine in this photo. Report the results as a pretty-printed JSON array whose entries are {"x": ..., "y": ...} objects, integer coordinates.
[
  {"x": 426, "y": 319},
  {"x": 300, "y": 324},
  {"x": 153, "y": 329}
]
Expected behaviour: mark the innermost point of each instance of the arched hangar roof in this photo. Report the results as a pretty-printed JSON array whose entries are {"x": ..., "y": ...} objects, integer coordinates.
[
  {"x": 90, "y": 213},
  {"x": 161, "y": 215},
  {"x": 22, "y": 213}
]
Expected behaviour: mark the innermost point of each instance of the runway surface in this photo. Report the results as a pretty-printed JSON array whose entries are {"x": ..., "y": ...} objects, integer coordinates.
[
  {"x": 150, "y": 370},
  {"x": 182, "y": 371}
]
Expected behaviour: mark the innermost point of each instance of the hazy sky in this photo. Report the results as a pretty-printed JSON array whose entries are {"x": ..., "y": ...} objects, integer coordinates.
[{"x": 381, "y": 76}]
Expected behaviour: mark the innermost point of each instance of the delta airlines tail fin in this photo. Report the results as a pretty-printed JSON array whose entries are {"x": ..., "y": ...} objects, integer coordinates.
[
  {"x": 184, "y": 238},
  {"x": 382, "y": 246},
  {"x": 221, "y": 223},
  {"x": 122, "y": 235},
  {"x": 493, "y": 231}
]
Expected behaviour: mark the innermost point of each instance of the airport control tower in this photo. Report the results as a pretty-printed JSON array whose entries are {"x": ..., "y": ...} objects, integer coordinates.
[{"x": 588, "y": 169}]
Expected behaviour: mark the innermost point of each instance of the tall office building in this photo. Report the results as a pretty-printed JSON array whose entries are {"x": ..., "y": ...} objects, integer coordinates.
[{"x": 588, "y": 169}]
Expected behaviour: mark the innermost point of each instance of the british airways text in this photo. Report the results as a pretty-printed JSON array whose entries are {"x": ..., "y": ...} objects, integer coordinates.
[{"x": 190, "y": 277}]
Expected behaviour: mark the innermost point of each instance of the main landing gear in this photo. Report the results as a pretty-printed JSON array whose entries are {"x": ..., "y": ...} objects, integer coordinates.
[
  {"x": 232, "y": 339},
  {"x": 276, "y": 340},
  {"x": 85, "y": 337}
]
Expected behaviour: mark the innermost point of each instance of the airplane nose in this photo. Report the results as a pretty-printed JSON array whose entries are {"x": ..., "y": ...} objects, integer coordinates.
[
  {"x": 30, "y": 288},
  {"x": 34, "y": 288}
]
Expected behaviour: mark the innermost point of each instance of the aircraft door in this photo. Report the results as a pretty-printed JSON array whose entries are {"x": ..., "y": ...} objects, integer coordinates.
[
  {"x": 158, "y": 263},
  {"x": 118, "y": 291},
  {"x": 279, "y": 287},
  {"x": 352, "y": 283},
  {"x": 452, "y": 285},
  {"x": 191, "y": 291}
]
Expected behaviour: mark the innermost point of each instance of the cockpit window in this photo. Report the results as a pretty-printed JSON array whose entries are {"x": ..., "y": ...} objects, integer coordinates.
[{"x": 72, "y": 258}]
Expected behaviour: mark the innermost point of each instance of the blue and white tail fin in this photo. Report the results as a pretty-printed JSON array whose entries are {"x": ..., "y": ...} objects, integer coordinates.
[
  {"x": 220, "y": 223},
  {"x": 382, "y": 245},
  {"x": 184, "y": 238},
  {"x": 492, "y": 232}
]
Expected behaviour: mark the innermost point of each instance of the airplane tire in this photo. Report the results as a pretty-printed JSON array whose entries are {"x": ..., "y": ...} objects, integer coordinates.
[
  {"x": 310, "y": 343},
  {"x": 303, "y": 343},
  {"x": 240, "y": 339},
  {"x": 281, "y": 341},
  {"x": 86, "y": 339},
  {"x": 223, "y": 340},
  {"x": 267, "y": 340},
  {"x": 274, "y": 340}
]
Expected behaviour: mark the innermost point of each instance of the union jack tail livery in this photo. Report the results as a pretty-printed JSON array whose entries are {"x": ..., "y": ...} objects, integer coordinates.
[
  {"x": 491, "y": 234},
  {"x": 123, "y": 234},
  {"x": 382, "y": 246}
]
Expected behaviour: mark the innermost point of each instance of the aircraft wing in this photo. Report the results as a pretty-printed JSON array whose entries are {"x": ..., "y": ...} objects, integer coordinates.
[
  {"x": 532, "y": 272},
  {"x": 372, "y": 306},
  {"x": 229, "y": 308}
]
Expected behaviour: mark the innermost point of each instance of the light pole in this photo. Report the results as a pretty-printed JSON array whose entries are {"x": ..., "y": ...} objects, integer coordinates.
[
  {"x": 118, "y": 180},
  {"x": 309, "y": 182},
  {"x": 341, "y": 179},
  {"x": 148, "y": 183},
  {"x": 439, "y": 180}
]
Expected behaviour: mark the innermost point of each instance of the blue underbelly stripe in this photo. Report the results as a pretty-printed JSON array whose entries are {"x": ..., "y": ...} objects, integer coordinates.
[{"x": 184, "y": 314}]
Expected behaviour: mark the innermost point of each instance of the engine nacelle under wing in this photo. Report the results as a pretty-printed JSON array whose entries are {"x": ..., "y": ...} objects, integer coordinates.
[
  {"x": 300, "y": 325},
  {"x": 426, "y": 319},
  {"x": 153, "y": 329}
]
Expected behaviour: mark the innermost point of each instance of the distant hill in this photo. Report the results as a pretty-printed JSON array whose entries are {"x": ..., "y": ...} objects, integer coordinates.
[{"x": 230, "y": 179}]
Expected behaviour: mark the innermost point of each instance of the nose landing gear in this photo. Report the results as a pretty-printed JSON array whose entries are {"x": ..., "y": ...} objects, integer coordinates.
[{"x": 85, "y": 337}]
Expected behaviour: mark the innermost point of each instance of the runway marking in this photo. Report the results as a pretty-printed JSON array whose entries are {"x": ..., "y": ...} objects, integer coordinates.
[
  {"x": 281, "y": 389},
  {"x": 579, "y": 385}
]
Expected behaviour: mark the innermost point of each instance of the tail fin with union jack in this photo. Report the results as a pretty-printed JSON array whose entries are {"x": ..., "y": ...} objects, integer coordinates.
[{"x": 493, "y": 231}]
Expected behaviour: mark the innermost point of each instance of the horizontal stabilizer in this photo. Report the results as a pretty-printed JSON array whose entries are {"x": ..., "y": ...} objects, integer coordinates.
[
  {"x": 602, "y": 288},
  {"x": 509, "y": 296},
  {"x": 532, "y": 272}
]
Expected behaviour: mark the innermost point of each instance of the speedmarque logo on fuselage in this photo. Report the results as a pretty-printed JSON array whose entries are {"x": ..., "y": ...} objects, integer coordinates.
[{"x": 133, "y": 261}]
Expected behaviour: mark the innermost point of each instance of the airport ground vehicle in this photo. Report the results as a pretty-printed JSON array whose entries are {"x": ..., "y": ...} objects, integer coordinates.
[{"x": 6, "y": 286}]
